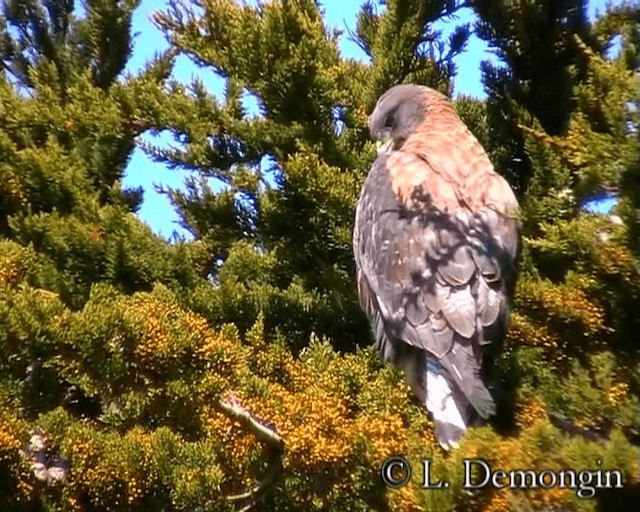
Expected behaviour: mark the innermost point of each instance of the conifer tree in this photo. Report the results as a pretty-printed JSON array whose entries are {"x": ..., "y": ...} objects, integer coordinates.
[
  {"x": 574, "y": 264},
  {"x": 123, "y": 384},
  {"x": 535, "y": 42},
  {"x": 280, "y": 235},
  {"x": 623, "y": 22},
  {"x": 68, "y": 125}
]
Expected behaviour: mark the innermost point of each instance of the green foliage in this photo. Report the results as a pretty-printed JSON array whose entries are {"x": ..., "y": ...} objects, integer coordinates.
[
  {"x": 157, "y": 439},
  {"x": 150, "y": 367},
  {"x": 534, "y": 41},
  {"x": 312, "y": 131},
  {"x": 67, "y": 129}
]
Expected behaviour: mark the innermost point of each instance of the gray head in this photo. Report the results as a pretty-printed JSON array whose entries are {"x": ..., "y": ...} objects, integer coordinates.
[{"x": 399, "y": 112}]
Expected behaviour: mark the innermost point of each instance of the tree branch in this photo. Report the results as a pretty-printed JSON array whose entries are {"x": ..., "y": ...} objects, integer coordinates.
[
  {"x": 253, "y": 493},
  {"x": 239, "y": 413},
  {"x": 234, "y": 410},
  {"x": 572, "y": 429}
]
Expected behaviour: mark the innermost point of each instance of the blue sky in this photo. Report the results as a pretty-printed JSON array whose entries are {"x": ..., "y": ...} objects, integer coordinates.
[{"x": 142, "y": 171}]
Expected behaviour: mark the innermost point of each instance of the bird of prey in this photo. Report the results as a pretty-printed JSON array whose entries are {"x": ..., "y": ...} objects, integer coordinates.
[{"x": 435, "y": 242}]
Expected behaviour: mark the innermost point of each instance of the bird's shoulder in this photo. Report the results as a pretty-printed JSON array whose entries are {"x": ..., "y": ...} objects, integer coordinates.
[{"x": 447, "y": 171}]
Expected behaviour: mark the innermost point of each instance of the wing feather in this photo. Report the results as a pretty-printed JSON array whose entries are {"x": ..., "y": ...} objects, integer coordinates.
[
  {"x": 459, "y": 268},
  {"x": 460, "y": 311}
]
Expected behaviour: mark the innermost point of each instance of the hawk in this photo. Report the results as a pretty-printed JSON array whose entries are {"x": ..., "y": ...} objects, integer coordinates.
[{"x": 435, "y": 242}]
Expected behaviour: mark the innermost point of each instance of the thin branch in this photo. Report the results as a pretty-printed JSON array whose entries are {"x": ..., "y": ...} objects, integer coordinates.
[
  {"x": 353, "y": 37},
  {"x": 430, "y": 38},
  {"x": 251, "y": 494},
  {"x": 234, "y": 410},
  {"x": 243, "y": 417},
  {"x": 571, "y": 428}
]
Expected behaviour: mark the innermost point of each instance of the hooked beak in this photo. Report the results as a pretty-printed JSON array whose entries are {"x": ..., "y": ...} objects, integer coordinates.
[{"x": 384, "y": 145}]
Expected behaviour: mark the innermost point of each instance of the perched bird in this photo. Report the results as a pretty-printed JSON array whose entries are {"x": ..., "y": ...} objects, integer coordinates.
[{"x": 435, "y": 241}]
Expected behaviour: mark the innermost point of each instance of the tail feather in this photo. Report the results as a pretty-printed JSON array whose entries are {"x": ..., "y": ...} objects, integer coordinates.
[
  {"x": 449, "y": 409},
  {"x": 449, "y": 423},
  {"x": 445, "y": 394},
  {"x": 463, "y": 369}
]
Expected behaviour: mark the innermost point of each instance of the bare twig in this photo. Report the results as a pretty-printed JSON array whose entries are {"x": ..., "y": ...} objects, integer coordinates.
[
  {"x": 269, "y": 477},
  {"x": 264, "y": 434},
  {"x": 233, "y": 409},
  {"x": 353, "y": 37},
  {"x": 571, "y": 428}
]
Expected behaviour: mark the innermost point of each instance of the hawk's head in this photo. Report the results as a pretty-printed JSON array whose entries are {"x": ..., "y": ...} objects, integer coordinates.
[{"x": 400, "y": 112}]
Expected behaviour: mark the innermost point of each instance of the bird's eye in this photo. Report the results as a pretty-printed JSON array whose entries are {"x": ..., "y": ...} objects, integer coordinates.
[{"x": 388, "y": 121}]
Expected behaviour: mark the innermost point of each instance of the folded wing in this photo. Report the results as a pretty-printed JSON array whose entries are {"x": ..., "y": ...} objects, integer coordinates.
[{"x": 436, "y": 266}]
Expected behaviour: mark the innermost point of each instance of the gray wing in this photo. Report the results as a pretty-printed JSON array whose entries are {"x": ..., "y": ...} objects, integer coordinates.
[{"x": 434, "y": 281}]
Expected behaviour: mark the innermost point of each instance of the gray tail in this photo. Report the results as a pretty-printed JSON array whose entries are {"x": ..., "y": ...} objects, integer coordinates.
[{"x": 465, "y": 375}]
